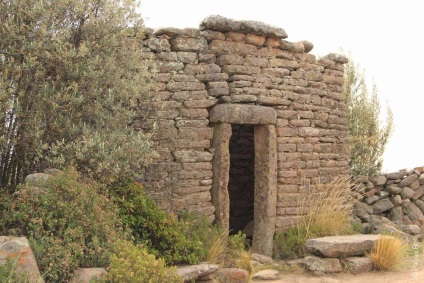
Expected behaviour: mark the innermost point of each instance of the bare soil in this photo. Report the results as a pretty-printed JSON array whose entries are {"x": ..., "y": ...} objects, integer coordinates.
[
  {"x": 412, "y": 271},
  {"x": 372, "y": 277}
]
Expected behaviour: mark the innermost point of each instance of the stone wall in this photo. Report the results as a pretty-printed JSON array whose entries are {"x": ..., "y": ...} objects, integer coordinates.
[
  {"x": 397, "y": 196},
  {"x": 241, "y": 63}
]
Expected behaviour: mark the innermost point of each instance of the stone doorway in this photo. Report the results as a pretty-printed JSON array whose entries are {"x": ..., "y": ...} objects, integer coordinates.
[
  {"x": 262, "y": 120},
  {"x": 241, "y": 181}
]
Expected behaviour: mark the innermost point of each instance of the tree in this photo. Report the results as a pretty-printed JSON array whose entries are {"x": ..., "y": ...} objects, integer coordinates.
[
  {"x": 368, "y": 135},
  {"x": 71, "y": 73}
]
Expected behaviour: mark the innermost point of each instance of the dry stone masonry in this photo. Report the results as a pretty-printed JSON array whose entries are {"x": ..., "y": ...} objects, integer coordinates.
[
  {"x": 245, "y": 120},
  {"x": 392, "y": 202}
]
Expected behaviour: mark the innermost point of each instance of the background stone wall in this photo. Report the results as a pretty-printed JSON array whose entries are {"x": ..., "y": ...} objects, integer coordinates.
[
  {"x": 397, "y": 196},
  {"x": 240, "y": 62}
]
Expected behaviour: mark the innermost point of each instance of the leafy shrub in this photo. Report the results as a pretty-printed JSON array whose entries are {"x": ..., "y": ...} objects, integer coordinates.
[
  {"x": 130, "y": 263},
  {"x": 69, "y": 224},
  {"x": 164, "y": 235},
  {"x": 388, "y": 253},
  {"x": 289, "y": 244}
]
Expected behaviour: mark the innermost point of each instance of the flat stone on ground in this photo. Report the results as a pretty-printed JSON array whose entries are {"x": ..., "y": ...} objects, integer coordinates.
[
  {"x": 342, "y": 246},
  {"x": 266, "y": 274}
]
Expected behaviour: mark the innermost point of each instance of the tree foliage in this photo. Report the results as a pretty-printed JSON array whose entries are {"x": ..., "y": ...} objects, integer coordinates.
[
  {"x": 368, "y": 135},
  {"x": 71, "y": 74}
]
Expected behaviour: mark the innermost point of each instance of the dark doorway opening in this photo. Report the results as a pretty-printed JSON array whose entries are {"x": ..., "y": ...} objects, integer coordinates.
[{"x": 242, "y": 179}]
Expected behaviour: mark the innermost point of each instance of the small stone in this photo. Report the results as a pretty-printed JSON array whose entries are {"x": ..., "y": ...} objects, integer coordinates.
[
  {"x": 308, "y": 45},
  {"x": 395, "y": 175},
  {"x": 371, "y": 200},
  {"x": 394, "y": 190},
  {"x": 382, "y": 205},
  {"x": 266, "y": 274},
  {"x": 379, "y": 180},
  {"x": 407, "y": 193},
  {"x": 408, "y": 180},
  {"x": 396, "y": 200}
]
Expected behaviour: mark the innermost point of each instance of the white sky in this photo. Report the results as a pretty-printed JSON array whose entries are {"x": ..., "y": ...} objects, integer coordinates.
[{"x": 383, "y": 37}]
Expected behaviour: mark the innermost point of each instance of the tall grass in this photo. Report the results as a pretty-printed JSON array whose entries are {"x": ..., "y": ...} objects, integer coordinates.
[
  {"x": 327, "y": 209},
  {"x": 389, "y": 253}
]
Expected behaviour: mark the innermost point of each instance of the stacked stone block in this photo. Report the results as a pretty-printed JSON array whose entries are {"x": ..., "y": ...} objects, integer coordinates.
[{"x": 249, "y": 63}]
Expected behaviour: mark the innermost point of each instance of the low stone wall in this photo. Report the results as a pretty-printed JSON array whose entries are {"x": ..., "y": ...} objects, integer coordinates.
[{"x": 398, "y": 196}]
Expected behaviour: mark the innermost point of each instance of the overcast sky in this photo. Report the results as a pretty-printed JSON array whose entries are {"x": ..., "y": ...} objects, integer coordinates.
[{"x": 383, "y": 37}]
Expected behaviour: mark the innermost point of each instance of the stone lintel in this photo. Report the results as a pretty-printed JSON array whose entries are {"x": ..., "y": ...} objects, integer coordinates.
[{"x": 243, "y": 114}]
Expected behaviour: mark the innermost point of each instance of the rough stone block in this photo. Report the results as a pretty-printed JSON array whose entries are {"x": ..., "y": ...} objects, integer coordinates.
[
  {"x": 233, "y": 275},
  {"x": 358, "y": 264},
  {"x": 243, "y": 114},
  {"x": 321, "y": 266},
  {"x": 188, "y": 44}
]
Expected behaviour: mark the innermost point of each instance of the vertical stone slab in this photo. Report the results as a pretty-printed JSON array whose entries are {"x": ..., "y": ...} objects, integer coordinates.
[
  {"x": 221, "y": 169},
  {"x": 265, "y": 188}
]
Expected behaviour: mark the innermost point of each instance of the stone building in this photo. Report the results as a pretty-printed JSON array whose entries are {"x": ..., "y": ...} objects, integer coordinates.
[{"x": 245, "y": 120}]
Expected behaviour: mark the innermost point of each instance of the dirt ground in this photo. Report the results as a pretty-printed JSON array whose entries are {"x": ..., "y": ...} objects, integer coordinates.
[
  {"x": 372, "y": 277},
  {"x": 412, "y": 271}
]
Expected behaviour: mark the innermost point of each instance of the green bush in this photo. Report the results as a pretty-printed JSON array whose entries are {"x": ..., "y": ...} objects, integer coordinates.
[
  {"x": 70, "y": 224},
  {"x": 130, "y": 263},
  {"x": 164, "y": 235},
  {"x": 289, "y": 244}
]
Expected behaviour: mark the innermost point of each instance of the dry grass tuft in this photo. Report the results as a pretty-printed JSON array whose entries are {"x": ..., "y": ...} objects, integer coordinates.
[
  {"x": 389, "y": 253},
  {"x": 329, "y": 209},
  {"x": 216, "y": 252},
  {"x": 243, "y": 261}
]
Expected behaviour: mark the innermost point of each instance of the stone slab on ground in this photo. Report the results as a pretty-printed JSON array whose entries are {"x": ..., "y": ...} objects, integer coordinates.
[
  {"x": 19, "y": 248},
  {"x": 85, "y": 275},
  {"x": 192, "y": 272},
  {"x": 358, "y": 264},
  {"x": 266, "y": 274},
  {"x": 342, "y": 246}
]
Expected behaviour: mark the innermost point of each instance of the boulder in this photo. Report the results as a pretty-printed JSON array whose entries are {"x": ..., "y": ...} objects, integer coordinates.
[
  {"x": 341, "y": 246},
  {"x": 17, "y": 248},
  {"x": 192, "y": 272},
  {"x": 408, "y": 180}
]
